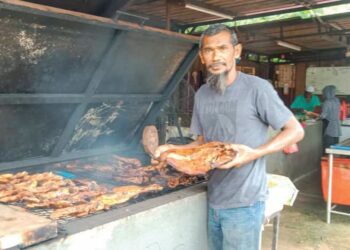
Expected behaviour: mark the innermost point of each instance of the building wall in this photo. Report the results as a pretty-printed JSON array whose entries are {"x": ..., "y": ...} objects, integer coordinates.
[
  {"x": 301, "y": 72},
  {"x": 261, "y": 69}
]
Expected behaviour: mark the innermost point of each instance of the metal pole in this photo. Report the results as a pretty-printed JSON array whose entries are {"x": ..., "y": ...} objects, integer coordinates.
[
  {"x": 330, "y": 178},
  {"x": 276, "y": 229}
]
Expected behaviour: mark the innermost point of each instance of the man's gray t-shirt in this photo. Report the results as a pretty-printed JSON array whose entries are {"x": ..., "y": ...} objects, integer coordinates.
[{"x": 241, "y": 115}]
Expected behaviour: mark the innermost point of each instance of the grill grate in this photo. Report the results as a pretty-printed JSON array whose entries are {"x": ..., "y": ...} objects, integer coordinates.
[
  {"x": 93, "y": 170},
  {"x": 46, "y": 212}
]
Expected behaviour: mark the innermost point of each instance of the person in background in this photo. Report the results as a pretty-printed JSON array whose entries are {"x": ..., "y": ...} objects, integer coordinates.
[
  {"x": 237, "y": 109},
  {"x": 306, "y": 102},
  {"x": 330, "y": 117}
]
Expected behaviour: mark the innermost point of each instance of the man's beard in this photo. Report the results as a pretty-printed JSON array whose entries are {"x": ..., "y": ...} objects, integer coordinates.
[{"x": 218, "y": 82}]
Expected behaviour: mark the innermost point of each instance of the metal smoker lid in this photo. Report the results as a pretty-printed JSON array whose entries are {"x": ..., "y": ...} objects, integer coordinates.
[{"x": 73, "y": 86}]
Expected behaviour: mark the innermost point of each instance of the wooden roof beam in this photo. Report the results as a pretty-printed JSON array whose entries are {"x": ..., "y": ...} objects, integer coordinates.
[
  {"x": 339, "y": 40},
  {"x": 150, "y": 20},
  {"x": 239, "y": 16},
  {"x": 322, "y": 33},
  {"x": 293, "y": 22},
  {"x": 207, "y": 8},
  {"x": 139, "y": 2},
  {"x": 321, "y": 23},
  {"x": 315, "y": 55}
]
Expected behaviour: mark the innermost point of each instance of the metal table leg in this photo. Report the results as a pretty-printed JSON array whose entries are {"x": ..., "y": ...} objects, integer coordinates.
[
  {"x": 276, "y": 229},
  {"x": 329, "y": 197}
]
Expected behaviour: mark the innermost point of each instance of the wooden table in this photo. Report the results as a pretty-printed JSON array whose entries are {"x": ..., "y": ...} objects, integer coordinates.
[{"x": 20, "y": 228}]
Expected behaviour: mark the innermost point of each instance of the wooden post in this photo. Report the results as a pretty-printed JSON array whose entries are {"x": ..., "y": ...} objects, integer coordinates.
[{"x": 167, "y": 14}]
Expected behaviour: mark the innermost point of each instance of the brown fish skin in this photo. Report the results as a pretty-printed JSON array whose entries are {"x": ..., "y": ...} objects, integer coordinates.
[
  {"x": 198, "y": 160},
  {"x": 150, "y": 139}
]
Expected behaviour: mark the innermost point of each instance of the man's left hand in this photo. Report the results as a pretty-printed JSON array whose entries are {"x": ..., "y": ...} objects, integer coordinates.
[{"x": 244, "y": 154}]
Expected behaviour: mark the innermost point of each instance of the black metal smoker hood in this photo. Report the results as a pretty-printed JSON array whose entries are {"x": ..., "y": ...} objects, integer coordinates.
[{"x": 75, "y": 85}]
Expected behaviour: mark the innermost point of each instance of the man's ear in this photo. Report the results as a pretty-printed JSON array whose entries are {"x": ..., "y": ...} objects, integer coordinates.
[{"x": 238, "y": 50}]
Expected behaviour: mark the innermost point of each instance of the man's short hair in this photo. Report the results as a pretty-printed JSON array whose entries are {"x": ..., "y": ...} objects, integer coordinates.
[{"x": 216, "y": 29}]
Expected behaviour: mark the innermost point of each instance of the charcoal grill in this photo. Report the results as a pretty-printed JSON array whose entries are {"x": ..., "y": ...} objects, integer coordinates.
[{"x": 75, "y": 86}]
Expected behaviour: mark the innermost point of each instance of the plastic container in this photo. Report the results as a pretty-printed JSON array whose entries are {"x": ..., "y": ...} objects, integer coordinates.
[
  {"x": 343, "y": 110},
  {"x": 341, "y": 180}
]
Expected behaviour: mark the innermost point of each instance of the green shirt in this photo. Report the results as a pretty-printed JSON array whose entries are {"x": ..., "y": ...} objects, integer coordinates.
[{"x": 300, "y": 102}]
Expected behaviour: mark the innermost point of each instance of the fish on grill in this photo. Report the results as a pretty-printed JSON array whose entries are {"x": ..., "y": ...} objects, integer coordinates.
[
  {"x": 7, "y": 192},
  {"x": 199, "y": 159},
  {"x": 128, "y": 170},
  {"x": 118, "y": 196},
  {"x": 153, "y": 168},
  {"x": 78, "y": 210},
  {"x": 64, "y": 199},
  {"x": 131, "y": 161},
  {"x": 110, "y": 165},
  {"x": 125, "y": 193},
  {"x": 79, "y": 197},
  {"x": 5, "y": 178},
  {"x": 68, "y": 195},
  {"x": 8, "y": 178},
  {"x": 47, "y": 190},
  {"x": 182, "y": 180},
  {"x": 133, "y": 179}
]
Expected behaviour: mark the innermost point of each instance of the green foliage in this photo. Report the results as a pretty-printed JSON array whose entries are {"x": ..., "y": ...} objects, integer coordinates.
[
  {"x": 252, "y": 57},
  {"x": 278, "y": 60},
  {"x": 263, "y": 59}
]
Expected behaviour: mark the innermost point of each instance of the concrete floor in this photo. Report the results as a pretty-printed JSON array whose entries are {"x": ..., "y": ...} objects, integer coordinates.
[{"x": 304, "y": 226}]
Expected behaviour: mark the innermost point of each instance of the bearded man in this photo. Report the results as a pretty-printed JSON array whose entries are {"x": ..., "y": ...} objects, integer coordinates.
[{"x": 237, "y": 109}]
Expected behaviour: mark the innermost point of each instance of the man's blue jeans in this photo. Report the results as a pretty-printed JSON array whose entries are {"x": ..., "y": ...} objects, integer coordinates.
[{"x": 236, "y": 228}]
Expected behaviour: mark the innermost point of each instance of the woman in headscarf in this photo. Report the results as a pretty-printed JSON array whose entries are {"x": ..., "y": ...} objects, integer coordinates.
[{"x": 329, "y": 116}]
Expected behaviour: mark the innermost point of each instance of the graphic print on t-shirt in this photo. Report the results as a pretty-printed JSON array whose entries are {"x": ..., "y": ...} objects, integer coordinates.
[{"x": 220, "y": 117}]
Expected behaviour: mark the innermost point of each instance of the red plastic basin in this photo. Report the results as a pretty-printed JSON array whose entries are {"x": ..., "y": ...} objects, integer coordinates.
[{"x": 340, "y": 182}]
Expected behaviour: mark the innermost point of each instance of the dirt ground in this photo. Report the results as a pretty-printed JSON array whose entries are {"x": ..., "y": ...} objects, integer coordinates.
[{"x": 304, "y": 226}]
